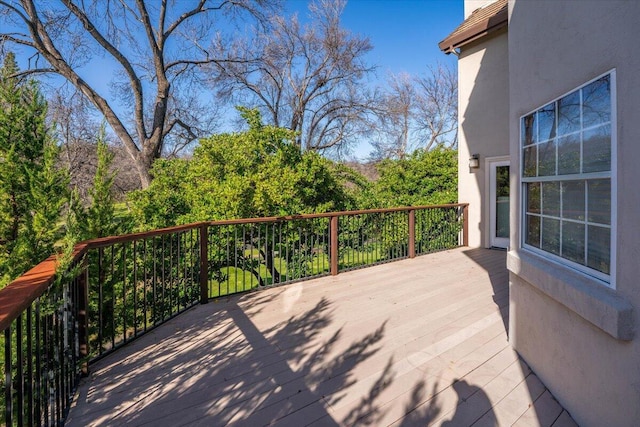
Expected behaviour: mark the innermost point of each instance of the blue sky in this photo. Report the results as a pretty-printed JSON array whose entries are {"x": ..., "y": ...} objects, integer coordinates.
[{"x": 404, "y": 34}]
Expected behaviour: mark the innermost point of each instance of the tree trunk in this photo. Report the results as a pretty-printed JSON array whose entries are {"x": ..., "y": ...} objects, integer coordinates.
[
  {"x": 143, "y": 172},
  {"x": 144, "y": 159},
  {"x": 268, "y": 262}
]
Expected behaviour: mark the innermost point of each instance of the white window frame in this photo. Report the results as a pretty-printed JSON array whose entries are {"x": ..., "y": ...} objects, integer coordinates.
[{"x": 608, "y": 280}]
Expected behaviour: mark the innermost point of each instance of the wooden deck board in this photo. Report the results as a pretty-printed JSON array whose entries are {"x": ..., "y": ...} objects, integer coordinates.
[{"x": 414, "y": 342}]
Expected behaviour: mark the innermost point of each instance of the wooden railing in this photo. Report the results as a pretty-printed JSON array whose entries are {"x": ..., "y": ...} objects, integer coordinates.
[{"x": 117, "y": 288}]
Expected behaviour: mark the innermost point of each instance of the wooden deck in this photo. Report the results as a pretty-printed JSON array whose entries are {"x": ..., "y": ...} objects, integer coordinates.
[{"x": 410, "y": 343}]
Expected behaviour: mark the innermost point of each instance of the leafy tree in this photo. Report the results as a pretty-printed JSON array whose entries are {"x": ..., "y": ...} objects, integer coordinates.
[
  {"x": 33, "y": 191},
  {"x": 422, "y": 178},
  {"x": 256, "y": 173},
  {"x": 100, "y": 216},
  {"x": 164, "y": 202}
]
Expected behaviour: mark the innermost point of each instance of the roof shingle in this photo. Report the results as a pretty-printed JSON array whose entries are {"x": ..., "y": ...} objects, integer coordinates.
[{"x": 481, "y": 22}]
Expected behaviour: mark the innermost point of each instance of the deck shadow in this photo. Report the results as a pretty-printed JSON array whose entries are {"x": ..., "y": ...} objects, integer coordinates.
[
  {"x": 494, "y": 263},
  {"x": 218, "y": 368}
]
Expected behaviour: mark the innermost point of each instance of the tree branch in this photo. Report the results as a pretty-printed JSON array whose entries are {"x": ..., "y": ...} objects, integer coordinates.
[{"x": 113, "y": 51}]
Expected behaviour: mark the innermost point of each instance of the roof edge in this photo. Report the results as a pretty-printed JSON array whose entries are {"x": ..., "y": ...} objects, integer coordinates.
[{"x": 475, "y": 32}]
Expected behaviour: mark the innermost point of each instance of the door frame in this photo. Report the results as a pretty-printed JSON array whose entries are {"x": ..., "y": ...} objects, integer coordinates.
[{"x": 491, "y": 163}]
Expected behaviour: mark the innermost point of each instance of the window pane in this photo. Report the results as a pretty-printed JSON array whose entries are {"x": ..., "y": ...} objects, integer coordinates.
[
  {"x": 573, "y": 241},
  {"x": 547, "y": 122},
  {"x": 533, "y": 197},
  {"x": 551, "y": 235},
  {"x": 569, "y": 113},
  {"x": 573, "y": 193},
  {"x": 532, "y": 236},
  {"x": 596, "y": 156},
  {"x": 599, "y": 248},
  {"x": 547, "y": 158},
  {"x": 596, "y": 102},
  {"x": 551, "y": 199},
  {"x": 530, "y": 160},
  {"x": 569, "y": 154},
  {"x": 599, "y": 196},
  {"x": 566, "y": 154},
  {"x": 528, "y": 129}
]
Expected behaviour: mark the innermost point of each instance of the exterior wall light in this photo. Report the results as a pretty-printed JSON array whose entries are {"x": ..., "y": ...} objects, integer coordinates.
[{"x": 474, "y": 161}]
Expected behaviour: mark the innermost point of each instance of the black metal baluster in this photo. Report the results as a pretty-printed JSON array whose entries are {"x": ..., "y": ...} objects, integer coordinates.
[
  {"x": 312, "y": 248},
  {"x": 58, "y": 358},
  {"x": 242, "y": 254},
  {"x": 228, "y": 263},
  {"x": 144, "y": 285},
  {"x": 38, "y": 368},
  {"x": 8, "y": 383},
  {"x": 171, "y": 275},
  {"x": 298, "y": 258},
  {"x": 113, "y": 297},
  {"x": 235, "y": 258},
  {"x": 258, "y": 247},
  {"x": 163, "y": 280},
  {"x": 182, "y": 301},
  {"x": 191, "y": 265},
  {"x": 154, "y": 285},
  {"x": 250, "y": 260},
  {"x": 124, "y": 292},
  {"x": 280, "y": 270},
  {"x": 46, "y": 344},
  {"x": 272, "y": 245},
  {"x": 134, "y": 259},
  {"x": 19, "y": 389},
  {"x": 29, "y": 389},
  {"x": 100, "y": 300}
]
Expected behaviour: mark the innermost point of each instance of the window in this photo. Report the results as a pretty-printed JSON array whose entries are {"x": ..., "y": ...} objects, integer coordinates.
[{"x": 567, "y": 163}]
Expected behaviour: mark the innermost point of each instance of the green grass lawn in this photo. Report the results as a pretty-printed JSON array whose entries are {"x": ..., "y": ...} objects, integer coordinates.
[{"x": 241, "y": 280}]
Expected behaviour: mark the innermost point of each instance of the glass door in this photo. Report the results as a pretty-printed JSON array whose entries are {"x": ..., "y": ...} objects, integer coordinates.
[{"x": 499, "y": 186}]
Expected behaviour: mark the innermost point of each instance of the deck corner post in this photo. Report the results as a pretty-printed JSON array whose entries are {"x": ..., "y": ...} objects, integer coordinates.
[
  {"x": 412, "y": 233},
  {"x": 465, "y": 225},
  {"x": 204, "y": 263},
  {"x": 333, "y": 248}
]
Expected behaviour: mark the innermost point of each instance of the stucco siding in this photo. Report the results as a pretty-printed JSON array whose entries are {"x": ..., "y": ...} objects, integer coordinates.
[
  {"x": 588, "y": 361},
  {"x": 483, "y": 91}
]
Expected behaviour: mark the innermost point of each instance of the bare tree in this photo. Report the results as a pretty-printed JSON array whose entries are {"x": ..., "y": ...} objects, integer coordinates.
[
  {"x": 308, "y": 78},
  {"x": 77, "y": 127},
  {"x": 71, "y": 116},
  {"x": 436, "y": 114},
  {"x": 158, "y": 48},
  {"x": 416, "y": 112},
  {"x": 395, "y": 116}
]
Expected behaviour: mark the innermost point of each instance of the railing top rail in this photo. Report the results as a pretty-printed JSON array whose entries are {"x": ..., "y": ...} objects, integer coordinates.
[
  {"x": 108, "y": 241},
  {"x": 123, "y": 238},
  {"x": 331, "y": 214},
  {"x": 20, "y": 293}
]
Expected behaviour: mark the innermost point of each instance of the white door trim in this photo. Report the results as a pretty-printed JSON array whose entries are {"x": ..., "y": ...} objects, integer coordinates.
[{"x": 491, "y": 163}]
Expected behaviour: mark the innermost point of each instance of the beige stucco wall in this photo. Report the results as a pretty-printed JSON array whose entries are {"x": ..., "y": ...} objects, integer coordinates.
[
  {"x": 580, "y": 337},
  {"x": 483, "y": 106}
]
